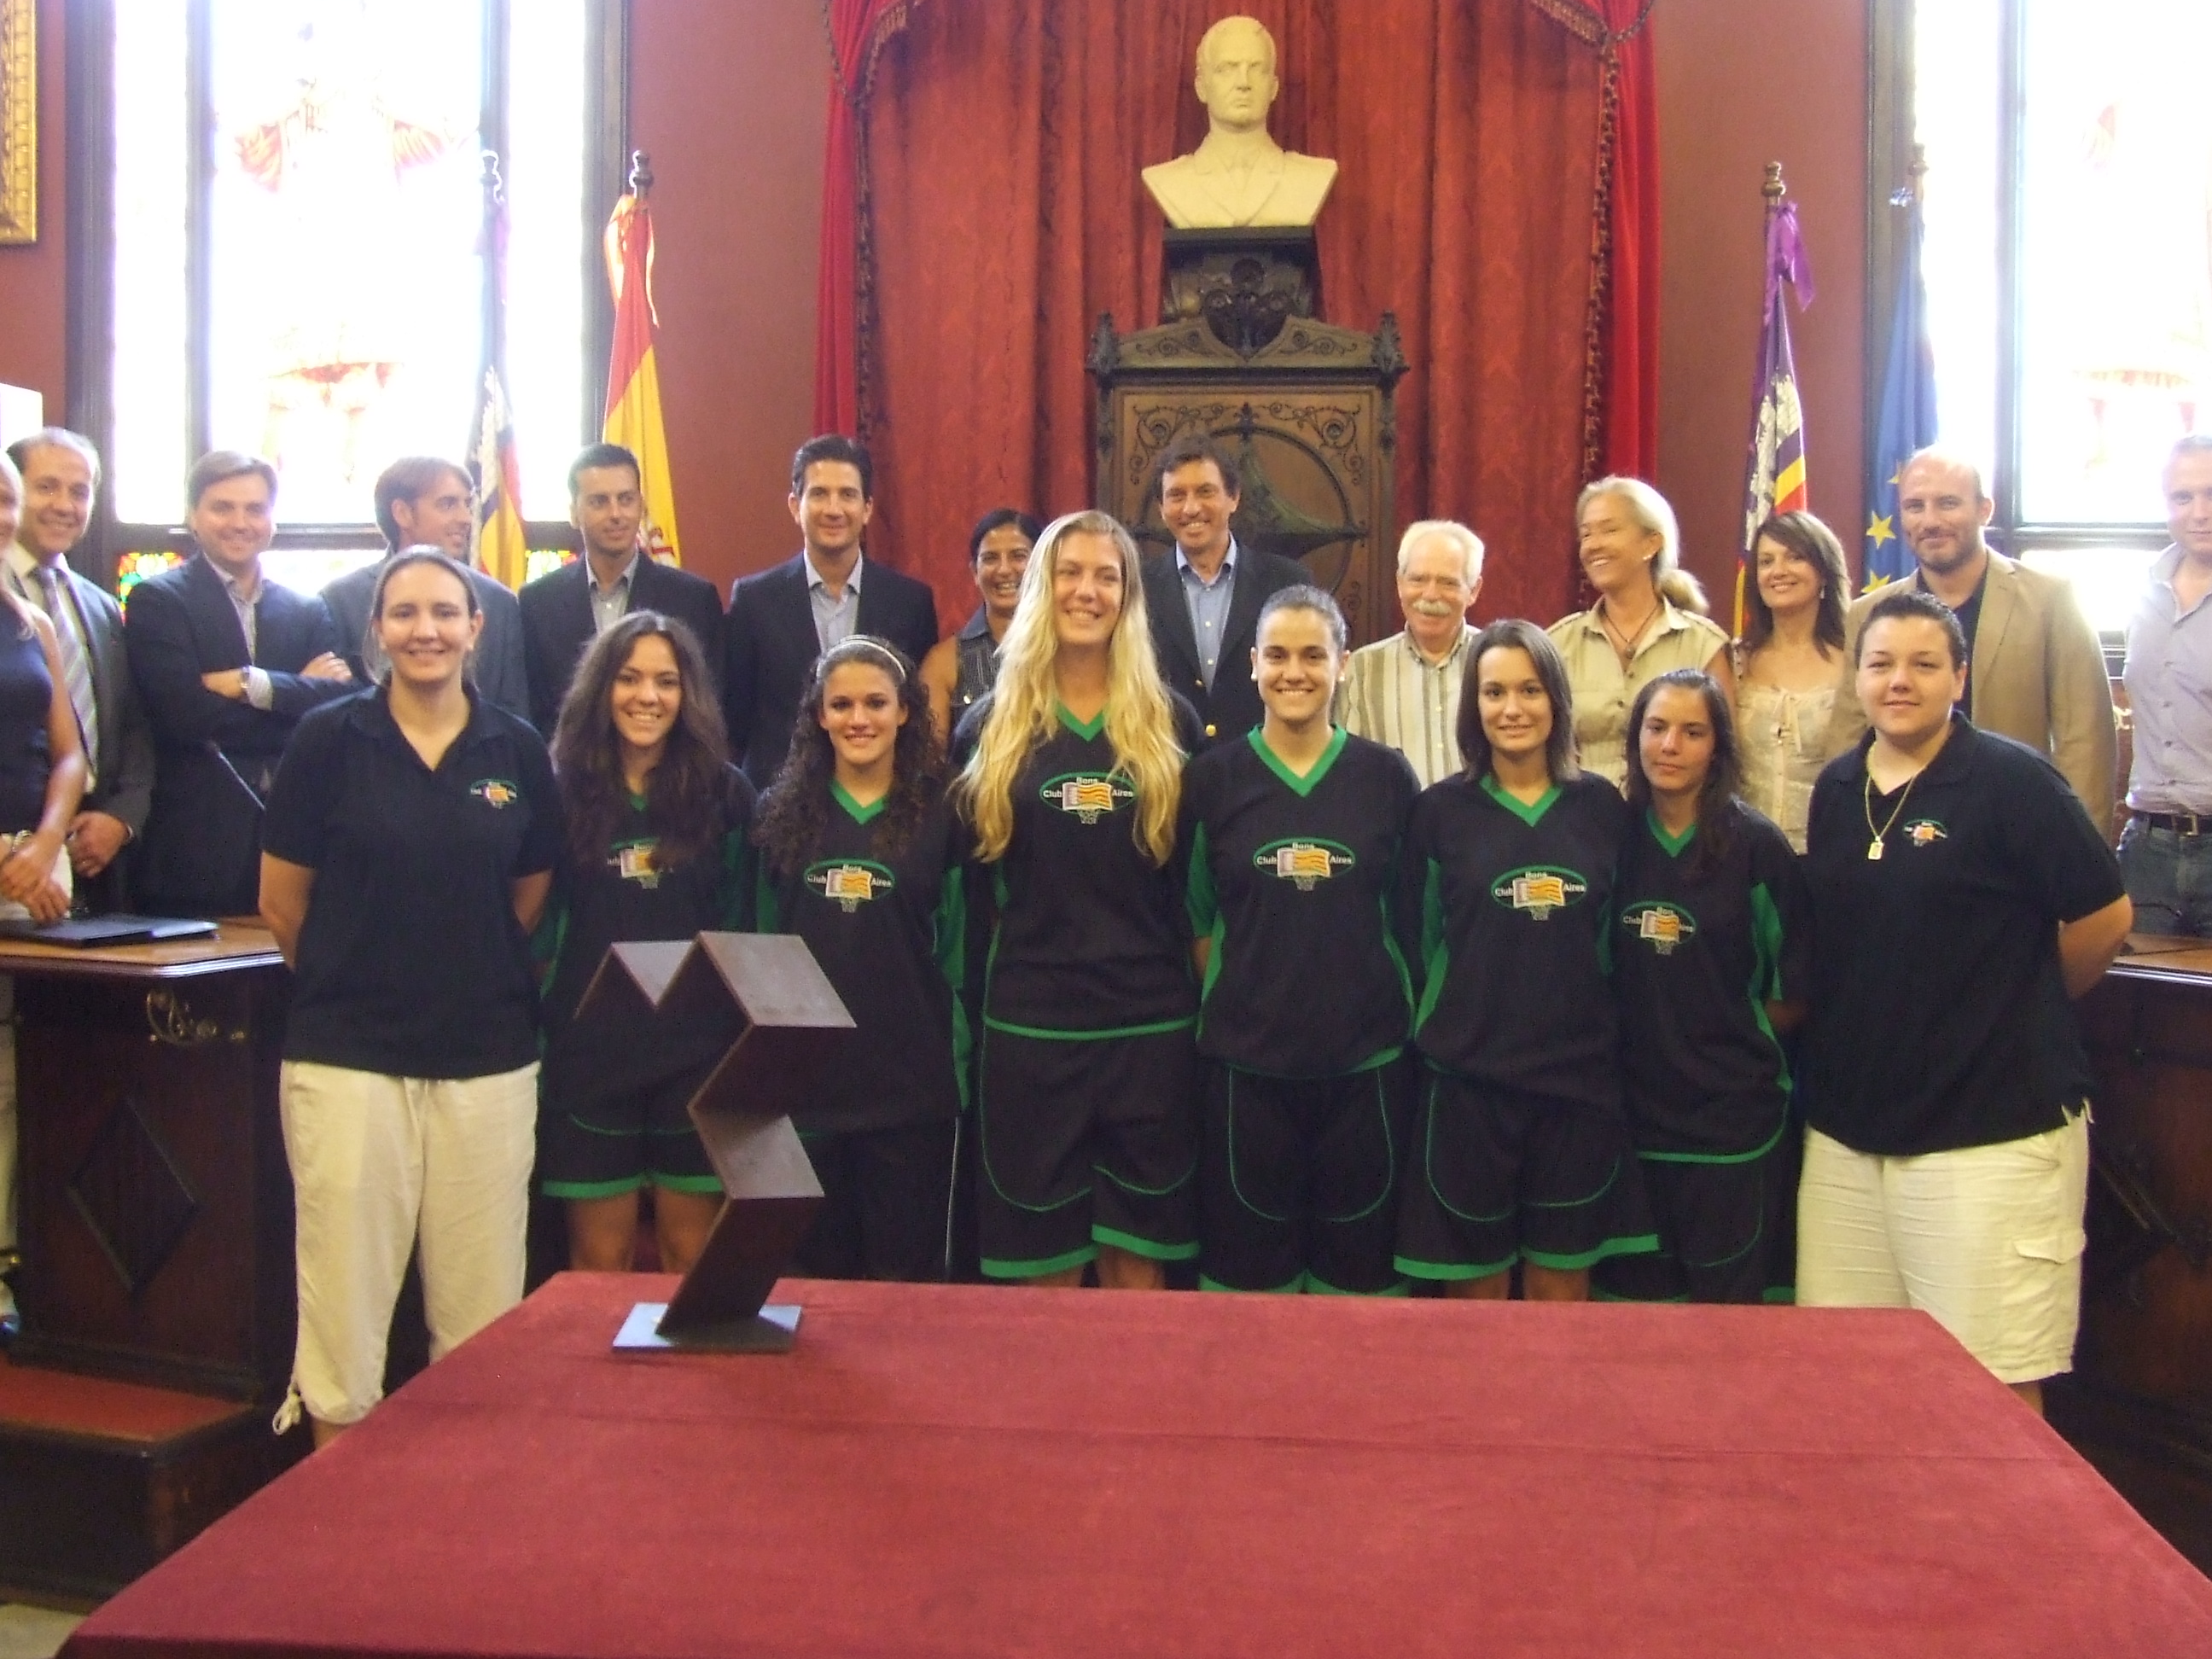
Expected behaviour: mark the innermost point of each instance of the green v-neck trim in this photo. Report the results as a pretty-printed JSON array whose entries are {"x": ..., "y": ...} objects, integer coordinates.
[
  {"x": 1674, "y": 844},
  {"x": 1527, "y": 812},
  {"x": 1081, "y": 730},
  {"x": 859, "y": 813},
  {"x": 1301, "y": 787}
]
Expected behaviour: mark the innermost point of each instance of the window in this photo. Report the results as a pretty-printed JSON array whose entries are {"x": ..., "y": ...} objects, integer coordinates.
[
  {"x": 279, "y": 246},
  {"x": 2068, "y": 264}
]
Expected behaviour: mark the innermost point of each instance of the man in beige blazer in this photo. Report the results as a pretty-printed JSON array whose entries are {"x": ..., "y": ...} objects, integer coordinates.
[{"x": 2035, "y": 671}]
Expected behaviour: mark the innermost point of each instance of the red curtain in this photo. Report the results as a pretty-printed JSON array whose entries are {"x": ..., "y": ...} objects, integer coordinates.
[
  {"x": 858, "y": 32},
  {"x": 1003, "y": 145}
]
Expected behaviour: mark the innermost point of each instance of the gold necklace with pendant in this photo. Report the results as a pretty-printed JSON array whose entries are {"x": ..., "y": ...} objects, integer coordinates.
[{"x": 1873, "y": 847}]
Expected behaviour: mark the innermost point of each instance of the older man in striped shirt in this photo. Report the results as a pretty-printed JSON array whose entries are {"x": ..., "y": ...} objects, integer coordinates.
[{"x": 1404, "y": 690}]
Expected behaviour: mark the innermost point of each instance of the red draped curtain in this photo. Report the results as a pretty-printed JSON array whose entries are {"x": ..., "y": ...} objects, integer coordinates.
[{"x": 1489, "y": 190}]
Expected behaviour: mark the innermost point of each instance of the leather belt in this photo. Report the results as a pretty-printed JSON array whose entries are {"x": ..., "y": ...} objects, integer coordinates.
[{"x": 2183, "y": 824}]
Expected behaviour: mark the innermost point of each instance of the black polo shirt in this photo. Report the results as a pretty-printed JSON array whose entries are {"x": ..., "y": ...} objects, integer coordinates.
[
  {"x": 410, "y": 962},
  {"x": 1940, "y": 1017}
]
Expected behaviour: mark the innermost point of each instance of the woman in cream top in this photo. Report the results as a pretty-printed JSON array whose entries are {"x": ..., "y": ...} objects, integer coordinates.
[
  {"x": 1788, "y": 665},
  {"x": 1648, "y": 618}
]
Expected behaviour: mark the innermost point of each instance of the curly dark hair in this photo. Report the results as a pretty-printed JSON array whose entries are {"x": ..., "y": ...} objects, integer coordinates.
[
  {"x": 1716, "y": 799},
  {"x": 787, "y": 823},
  {"x": 686, "y": 795}
]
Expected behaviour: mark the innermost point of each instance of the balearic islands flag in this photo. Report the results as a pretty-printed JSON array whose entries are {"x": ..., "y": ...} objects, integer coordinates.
[
  {"x": 1774, "y": 481},
  {"x": 633, "y": 380}
]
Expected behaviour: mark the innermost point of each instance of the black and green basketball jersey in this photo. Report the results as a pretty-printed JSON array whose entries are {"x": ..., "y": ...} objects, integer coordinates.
[
  {"x": 1089, "y": 937},
  {"x": 1295, "y": 880},
  {"x": 889, "y": 930},
  {"x": 634, "y": 892},
  {"x": 1516, "y": 902},
  {"x": 1697, "y": 955}
]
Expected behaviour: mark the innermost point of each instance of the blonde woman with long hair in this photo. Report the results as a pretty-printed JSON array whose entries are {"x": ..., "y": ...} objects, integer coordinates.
[{"x": 1070, "y": 782}]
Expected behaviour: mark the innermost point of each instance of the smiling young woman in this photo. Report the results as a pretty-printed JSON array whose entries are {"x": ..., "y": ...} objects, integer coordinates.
[
  {"x": 1295, "y": 835},
  {"x": 409, "y": 839},
  {"x": 656, "y": 819},
  {"x": 860, "y": 856}
]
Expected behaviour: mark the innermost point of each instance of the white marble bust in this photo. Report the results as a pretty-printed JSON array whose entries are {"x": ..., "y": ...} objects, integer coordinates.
[{"x": 1239, "y": 175}]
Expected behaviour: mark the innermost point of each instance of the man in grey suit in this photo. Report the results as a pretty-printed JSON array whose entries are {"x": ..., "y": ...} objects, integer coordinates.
[
  {"x": 425, "y": 501},
  {"x": 61, "y": 476}
]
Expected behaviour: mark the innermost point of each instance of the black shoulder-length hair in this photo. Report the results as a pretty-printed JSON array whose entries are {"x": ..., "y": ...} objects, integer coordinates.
[
  {"x": 1717, "y": 800},
  {"x": 1814, "y": 542},
  {"x": 1513, "y": 634},
  {"x": 788, "y": 823},
  {"x": 687, "y": 795}
]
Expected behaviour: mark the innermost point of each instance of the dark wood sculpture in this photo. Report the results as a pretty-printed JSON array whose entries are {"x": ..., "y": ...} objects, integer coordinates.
[{"x": 786, "y": 1023}]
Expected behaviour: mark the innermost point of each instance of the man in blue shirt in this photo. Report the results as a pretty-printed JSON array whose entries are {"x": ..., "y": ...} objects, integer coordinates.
[
  {"x": 2166, "y": 851},
  {"x": 1203, "y": 599}
]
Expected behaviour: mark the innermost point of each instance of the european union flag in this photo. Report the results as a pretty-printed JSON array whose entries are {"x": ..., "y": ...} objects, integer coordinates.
[{"x": 1907, "y": 423}]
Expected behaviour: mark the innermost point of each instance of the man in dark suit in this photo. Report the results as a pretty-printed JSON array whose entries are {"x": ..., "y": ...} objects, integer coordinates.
[
  {"x": 61, "y": 476},
  {"x": 1204, "y": 598},
  {"x": 566, "y": 610},
  {"x": 426, "y": 500},
  {"x": 784, "y": 617},
  {"x": 226, "y": 663}
]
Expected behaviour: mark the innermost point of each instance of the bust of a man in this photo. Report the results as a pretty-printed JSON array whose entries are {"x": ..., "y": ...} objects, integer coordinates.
[{"x": 1239, "y": 175}]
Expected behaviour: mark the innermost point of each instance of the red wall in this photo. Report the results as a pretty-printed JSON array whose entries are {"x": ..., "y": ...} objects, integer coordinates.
[
  {"x": 33, "y": 280},
  {"x": 728, "y": 97},
  {"x": 1743, "y": 82}
]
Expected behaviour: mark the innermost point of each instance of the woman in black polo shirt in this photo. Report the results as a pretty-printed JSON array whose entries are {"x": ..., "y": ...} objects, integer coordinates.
[
  {"x": 656, "y": 821},
  {"x": 409, "y": 843},
  {"x": 1710, "y": 948},
  {"x": 861, "y": 857},
  {"x": 1960, "y": 897}
]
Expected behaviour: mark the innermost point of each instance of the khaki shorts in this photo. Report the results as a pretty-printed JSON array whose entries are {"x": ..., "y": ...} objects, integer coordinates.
[{"x": 1988, "y": 1239}]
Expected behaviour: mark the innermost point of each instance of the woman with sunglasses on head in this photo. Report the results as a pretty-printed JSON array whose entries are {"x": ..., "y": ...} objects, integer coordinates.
[
  {"x": 1296, "y": 835},
  {"x": 408, "y": 847},
  {"x": 656, "y": 820},
  {"x": 860, "y": 856},
  {"x": 1711, "y": 952},
  {"x": 1521, "y": 1153},
  {"x": 959, "y": 671},
  {"x": 1086, "y": 1083}
]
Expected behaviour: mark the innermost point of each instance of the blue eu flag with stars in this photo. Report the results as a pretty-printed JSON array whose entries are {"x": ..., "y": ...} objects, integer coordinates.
[{"x": 1907, "y": 421}]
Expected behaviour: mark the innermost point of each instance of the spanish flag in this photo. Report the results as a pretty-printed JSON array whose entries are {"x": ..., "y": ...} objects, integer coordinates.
[{"x": 633, "y": 380}]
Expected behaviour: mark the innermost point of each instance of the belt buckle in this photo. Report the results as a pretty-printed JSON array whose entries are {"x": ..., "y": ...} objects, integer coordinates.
[{"x": 2189, "y": 824}]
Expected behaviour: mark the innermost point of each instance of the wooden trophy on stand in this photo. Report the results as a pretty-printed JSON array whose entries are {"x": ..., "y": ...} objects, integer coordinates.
[{"x": 789, "y": 1024}]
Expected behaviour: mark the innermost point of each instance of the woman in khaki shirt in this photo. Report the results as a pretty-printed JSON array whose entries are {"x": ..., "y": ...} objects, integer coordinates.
[{"x": 1650, "y": 617}]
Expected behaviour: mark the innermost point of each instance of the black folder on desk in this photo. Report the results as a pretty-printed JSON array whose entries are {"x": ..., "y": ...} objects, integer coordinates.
[{"x": 87, "y": 931}]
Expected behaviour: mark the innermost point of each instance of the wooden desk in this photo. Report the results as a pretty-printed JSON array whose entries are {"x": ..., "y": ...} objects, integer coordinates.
[
  {"x": 156, "y": 1241},
  {"x": 2140, "y": 1403},
  {"x": 156, "y": 1206}
]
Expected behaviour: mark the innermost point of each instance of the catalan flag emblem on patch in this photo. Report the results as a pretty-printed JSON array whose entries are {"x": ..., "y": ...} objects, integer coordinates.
[
  {"x": 848, "y": 883},
  {"x": 1540, "y": 891},
  {"x": 1301, "y": 860},
  {"x": 636, "y": 863},
  {"x": 1087, "y": 795},
  {"x": 1925, "y": 832}
]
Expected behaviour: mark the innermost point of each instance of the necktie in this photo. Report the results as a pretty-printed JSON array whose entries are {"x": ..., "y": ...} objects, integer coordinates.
[{"x": 75, "y": 669}]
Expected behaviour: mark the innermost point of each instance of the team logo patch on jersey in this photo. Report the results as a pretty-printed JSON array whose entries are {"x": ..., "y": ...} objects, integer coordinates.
[
  {"x": 1540, "y": 889},
  {"x": 850, "y": 883},
  {"x": 635, "y": 862},
  {"x": 1089, "y": 796},
  {"x": 1925, "y": 832},
  {"x": 495, "y": 791},
  {"x": 1304, "y": 862},
  {"x": 1662, "y": 926}
]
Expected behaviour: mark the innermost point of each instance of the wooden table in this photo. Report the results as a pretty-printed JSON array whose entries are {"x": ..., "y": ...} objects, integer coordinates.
[{"x": 156, "y": 1240}]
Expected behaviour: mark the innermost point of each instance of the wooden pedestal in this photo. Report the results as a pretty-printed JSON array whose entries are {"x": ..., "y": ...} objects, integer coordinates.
[{"x": 156, "y": 1242}]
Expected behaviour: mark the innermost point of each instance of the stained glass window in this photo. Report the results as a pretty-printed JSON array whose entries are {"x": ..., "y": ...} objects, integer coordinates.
[{"x": 299, "y": 263}]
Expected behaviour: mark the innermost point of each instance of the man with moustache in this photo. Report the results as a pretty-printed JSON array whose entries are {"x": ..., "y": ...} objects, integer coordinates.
[
  {"x": 61, "y": 477},
  {"x": 2034, "y": 670},
  {"x": 1404, "y": 691},
  {"x": 2165, "y": 850},
  {"x": 1204, "y": 598}
]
